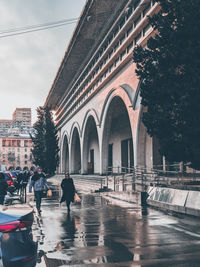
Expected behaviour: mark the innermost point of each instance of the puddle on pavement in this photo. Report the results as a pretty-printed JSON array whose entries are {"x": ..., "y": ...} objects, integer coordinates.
[
  {"x": 92, "y": 233},
  {"x": 96, "y": 233}
]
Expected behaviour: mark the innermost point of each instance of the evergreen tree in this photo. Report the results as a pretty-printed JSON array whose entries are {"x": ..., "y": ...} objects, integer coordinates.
[
  {"x": 38, "y": 140},
  {"x": 51, "y": 140},
  {"x": 45, "y": 141},
  {"x": 169, "y": 70}
]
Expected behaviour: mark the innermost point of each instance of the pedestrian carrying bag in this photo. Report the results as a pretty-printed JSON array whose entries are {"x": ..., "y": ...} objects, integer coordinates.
[
  {"x": 49, "y": 193},
  {"x": 77, "y": 198}
]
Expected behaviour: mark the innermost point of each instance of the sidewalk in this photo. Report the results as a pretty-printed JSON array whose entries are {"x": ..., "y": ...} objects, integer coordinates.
[{"x": 167, "y": 199}]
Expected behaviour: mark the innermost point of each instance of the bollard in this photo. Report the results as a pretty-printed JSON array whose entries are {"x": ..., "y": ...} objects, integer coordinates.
[
  {"x": 133, "y": 182},
  {"x": 114, "y": 182},
  {"x": 143, "y": 196},
  {"x": 123, "y": 183}
]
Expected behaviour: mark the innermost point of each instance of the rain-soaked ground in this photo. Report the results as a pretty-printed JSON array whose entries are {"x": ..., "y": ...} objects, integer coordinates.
[{"x": 96, "y": 233}]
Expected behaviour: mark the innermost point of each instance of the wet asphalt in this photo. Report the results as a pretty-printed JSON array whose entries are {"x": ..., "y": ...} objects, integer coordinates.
[{"x": 96, "y": 233}]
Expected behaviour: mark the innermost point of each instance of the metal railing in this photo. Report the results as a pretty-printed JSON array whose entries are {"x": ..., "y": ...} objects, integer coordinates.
[{"x": 140, "y": 177}]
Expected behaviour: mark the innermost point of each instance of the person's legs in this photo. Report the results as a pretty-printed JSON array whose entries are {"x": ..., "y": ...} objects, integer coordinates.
[
  {"x": 38, "y": 199},
  {"x": 2, "y": 199},
  {"x": 68, "y": 205}
]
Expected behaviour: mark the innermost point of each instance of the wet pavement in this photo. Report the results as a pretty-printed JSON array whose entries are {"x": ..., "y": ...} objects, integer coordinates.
[{"x": 99, "y": 234}]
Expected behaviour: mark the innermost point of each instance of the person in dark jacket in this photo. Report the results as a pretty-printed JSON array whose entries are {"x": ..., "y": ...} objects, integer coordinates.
[
  {"x": 39, "y": 184},
  {"x": 3, "y": 188},
  {"x": 68, "y": 188}
]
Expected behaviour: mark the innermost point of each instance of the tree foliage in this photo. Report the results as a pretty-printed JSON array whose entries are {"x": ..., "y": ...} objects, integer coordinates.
[
  {"x": 45, "y": 141},
  {"x": 169, "y": 70}
]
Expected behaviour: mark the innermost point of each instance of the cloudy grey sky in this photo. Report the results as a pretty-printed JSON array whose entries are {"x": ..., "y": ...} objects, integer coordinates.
[{"x": 29, "y": 62}]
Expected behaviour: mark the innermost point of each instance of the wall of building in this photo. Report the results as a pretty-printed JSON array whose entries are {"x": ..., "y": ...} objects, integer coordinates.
[
  {"x": 104, "y": 99},
  {"x": 98, "y": 107}
]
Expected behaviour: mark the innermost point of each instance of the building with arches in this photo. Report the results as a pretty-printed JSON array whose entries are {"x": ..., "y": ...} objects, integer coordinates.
[{"x": 95, "y": 93}]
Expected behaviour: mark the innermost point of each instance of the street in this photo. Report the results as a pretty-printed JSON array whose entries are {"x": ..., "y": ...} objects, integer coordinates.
[{"x": 97, "y": 233}]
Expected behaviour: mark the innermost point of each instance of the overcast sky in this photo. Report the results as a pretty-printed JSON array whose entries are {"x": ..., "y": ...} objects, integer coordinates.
[{"x": 29, "y": 62}]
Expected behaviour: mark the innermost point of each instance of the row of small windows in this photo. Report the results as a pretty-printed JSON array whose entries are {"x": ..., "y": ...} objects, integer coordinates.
[
  {"x": 18, "y": 157},
  {"x": 14, "y": 143},
  {"x": 14, "y": 149},
  {"x": 115, "y": 31},
  {"x": 25, "y": 162}
]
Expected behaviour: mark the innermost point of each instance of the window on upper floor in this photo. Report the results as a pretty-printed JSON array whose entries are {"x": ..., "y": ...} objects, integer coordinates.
[
  {"x": 137, "y": 38},
  {"x": 106, "y": 72},
  {"x": 146, "y": 29},
  {"x": 136, "y": 4},
  {"x": 115, "y": 31},
  {"x": 148, "y": 6},
  {"x": 122, "y": 21},
  {"x": 116, "y": 46},
  {"x": 137, "y": 20},
  {"x": 122, "y": 54},
  {"x": 116, "y": 61},
  {"x": 129, "y": 11},
  {"x": 129, "y": 31},
  {"x": 111, "y": 67},
  {"x": 110, "y": 54},
  {"x": 122, "y": 39},
  {"x": 129, "y": 47}
]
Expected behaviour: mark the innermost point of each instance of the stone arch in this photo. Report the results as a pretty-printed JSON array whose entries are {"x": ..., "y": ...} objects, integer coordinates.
[
  {"x": 91, "y": 112},
  {"x": 147, "y": 147},
  {"x": 90, "y": 144},
  {"x": 75, "y": 151},
  {"x": 65, "y": 153},
  {"x": 117, "y": 136},
  {"x": 74, "y": 125}
]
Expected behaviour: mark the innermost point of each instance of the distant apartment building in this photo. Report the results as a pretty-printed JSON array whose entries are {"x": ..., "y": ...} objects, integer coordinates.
[
  {"x": 15, "y": 151},
  {"x": 22, "y": 117},
  {"x": 15, "y": 141}
]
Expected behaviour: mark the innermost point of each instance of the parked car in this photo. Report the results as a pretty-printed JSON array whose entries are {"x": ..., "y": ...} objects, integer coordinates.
[
  {"x": 8, "y": 178},
  {"x": 17, "y": 248}
]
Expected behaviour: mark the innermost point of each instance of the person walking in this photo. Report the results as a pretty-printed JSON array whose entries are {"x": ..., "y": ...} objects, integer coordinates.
[
  {"x": 69, "y": 190},
  {"x": 3, "y": 188},
  {"x": 39, "y": 184}
]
